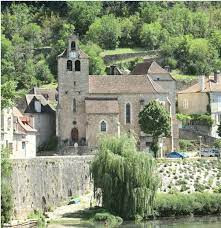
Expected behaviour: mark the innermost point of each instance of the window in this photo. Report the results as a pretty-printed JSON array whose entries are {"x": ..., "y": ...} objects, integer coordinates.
[
  {"x": 37, "y": 106},
  {"x": 69, "y": 65},
  {"x": 9, "y": 123},
  {"x": 77, "y": 65},
  {"x": 23, "y": 145},
  {"x": 73, "y": 46},
  {"x": 103, "y": 126},
  {"x": 74, "y": 105},
  {"x": 128, "y": 113},
  {"x": 185, "y": 104},
  {"x": 45, "y": 95}
]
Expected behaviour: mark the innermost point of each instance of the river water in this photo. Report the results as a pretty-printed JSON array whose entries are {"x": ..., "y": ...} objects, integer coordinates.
[{"x": 184, "y": 222}]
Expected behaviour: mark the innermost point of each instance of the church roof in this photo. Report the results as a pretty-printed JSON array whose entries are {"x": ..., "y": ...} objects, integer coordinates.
[
  {"x": 149, "y": 67},
  {"x": 102, "y": 106},
  {"x": 118, "y": 84},
  {"x": 210, "y": 86}
]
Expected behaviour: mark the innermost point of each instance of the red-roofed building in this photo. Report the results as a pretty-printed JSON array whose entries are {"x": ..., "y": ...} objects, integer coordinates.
[{"x": 18, "y": 134}]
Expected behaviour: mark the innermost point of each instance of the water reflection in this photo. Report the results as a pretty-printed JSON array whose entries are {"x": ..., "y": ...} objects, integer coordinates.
[{"x": 185, "y": 222}]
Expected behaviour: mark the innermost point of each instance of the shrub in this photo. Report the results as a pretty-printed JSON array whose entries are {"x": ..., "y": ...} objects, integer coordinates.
[
  {"x": 38, "y": 215},
  {"x": 217, "y": 143},
  {"x": 186, "y": 204},
  {"x": 186, "y": 145},
  {"x": 107, "y": 218}
]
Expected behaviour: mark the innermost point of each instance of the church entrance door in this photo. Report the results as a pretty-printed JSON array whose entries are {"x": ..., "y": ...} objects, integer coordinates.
[{"x": 74, "y": 135}]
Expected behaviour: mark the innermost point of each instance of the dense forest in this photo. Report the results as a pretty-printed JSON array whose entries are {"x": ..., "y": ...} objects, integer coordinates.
[{"x": 187, "y": 34}]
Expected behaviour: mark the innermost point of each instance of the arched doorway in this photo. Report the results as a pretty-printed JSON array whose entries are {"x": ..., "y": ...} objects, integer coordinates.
[{"x": 74, "y": 135}]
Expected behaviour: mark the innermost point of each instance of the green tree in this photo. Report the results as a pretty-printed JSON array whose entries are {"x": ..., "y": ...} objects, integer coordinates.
[
  {"x": 6, "y": 192},
  {"x": 154, "y": 119},
  {"x": 152, "y": 35},
  {"x": 83, "y": 14},
  {"x": 8, "y": 94},
  {"x": 127, "y": 178},
  {"x": 219, "y": 130},
  {"x": 96, "y": 64},
  {"x": 105, "y": 31}
]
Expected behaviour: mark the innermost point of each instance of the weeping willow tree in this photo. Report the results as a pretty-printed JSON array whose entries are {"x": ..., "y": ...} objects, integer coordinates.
[{"x": 126, "y": 178}]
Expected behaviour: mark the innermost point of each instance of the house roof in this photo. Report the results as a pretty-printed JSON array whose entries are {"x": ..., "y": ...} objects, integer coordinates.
[
  {"x": 102, "y": 106},
  {"x": 23, "y": 124},
  {"x": 210, "y": 86},
  {"x": 118, "y": 84},
  {"x": 150, "y": 67}
]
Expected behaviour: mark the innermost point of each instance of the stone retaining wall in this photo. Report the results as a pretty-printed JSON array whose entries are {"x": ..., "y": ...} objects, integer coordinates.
[{"x": 44, "y": 182}]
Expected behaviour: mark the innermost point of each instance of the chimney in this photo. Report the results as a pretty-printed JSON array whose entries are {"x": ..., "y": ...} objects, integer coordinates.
[
  {"x": 217, "y": 76},
  {"x": 167, "y": 68},
  {"x": 202, "y": 82}
]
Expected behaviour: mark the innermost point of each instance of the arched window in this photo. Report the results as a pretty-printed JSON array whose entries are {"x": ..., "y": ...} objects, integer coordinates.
[
  {"x": 128, "y": 113},
  {"x": 69, "y": 65},
  {"x": 74, "y": 105},
  {"x": 73, "y": 46},
  {"x": 103, "y": 126},
  {"x": 77, "y": 65}
]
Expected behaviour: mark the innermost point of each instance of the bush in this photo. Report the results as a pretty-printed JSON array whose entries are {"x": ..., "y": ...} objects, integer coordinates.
[
  {"x": 217, "y": 143},
  {"x": 6, "y": 193},
  {"x": 50, "y": 145},
  {"x": 107, "y": 218},
  {"x": 187, "y": 204},
  {"x": 38, "y": 215},
  {"x": 186, "y": 145}
]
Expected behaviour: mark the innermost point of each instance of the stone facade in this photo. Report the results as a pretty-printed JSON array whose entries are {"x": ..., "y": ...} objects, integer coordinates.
[
  {"x": 78, "y": 121},
  {"x": 45, "y": 182},
  {"x": 203, "y": 97},
  {"x": 18, "y": 134}
]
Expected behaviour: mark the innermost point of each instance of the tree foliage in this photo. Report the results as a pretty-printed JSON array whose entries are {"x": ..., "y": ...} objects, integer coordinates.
[
  {"x": 6, "y": 193},
  {"x": 219, "y": 130},
  {"x": 154, "y": 119},
  {"x": 127, "y": 178}
]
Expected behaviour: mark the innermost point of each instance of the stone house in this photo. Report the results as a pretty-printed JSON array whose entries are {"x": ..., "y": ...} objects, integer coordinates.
[
  {"x": 203, "y": 97},
  {"x": 90, "y": 105},
  {"x": 42, "y": 114},
  {"x": 18, "y": 134},
  {"x": 162, "y": 77}
]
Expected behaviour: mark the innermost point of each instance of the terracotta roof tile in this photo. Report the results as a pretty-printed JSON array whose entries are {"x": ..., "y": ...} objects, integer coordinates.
[
  {"x": 210, "y": 86},
  {"x": 101, "y": 106},
  {"x": 118, "y": 84}
]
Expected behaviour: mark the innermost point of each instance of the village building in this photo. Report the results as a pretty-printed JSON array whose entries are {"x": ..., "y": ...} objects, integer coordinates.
[
  {"x": 18, "y": 134},
  {"x": 36, "y": 105},
  {"x": 90, "y": 105},
  {"x": 203, "y": 97}
]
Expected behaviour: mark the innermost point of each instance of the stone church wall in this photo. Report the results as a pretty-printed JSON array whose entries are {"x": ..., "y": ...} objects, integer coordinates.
[{"x": 45, "y": 182}]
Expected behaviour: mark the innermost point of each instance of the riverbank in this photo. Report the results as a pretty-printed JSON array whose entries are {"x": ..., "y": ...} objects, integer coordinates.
[{"x": 167, "y": 205}]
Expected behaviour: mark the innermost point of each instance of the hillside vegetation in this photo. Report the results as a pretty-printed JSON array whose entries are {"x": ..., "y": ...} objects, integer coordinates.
[{"x": 187, "y": 34}]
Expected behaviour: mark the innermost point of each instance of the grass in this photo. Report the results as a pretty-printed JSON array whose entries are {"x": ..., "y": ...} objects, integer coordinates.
[
  {"x": 183, "y": 77},
  {"x": 52, "y": 85},
  {"x": 121, "y": 51}
]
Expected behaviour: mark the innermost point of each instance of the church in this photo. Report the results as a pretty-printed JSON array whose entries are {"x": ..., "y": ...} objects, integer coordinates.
[{"x": 91, "y": 105}]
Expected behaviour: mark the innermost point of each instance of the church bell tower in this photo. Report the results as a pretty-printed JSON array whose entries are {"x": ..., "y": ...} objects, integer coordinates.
[{"x": 73, "y": 87}]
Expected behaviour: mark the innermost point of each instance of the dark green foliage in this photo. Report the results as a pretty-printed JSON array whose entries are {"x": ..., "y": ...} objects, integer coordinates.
[
  {"x": 186, "y": 145},
  {"x": 96, "y": 64},
  {"x": 6, "y": 190},
  {"x": 219, "y": 130},
  {"x": 154, "y": 119},
  {"x": 217, "y": 143},
  {"x": 186, "y": 204},
  {"x": 107, "y": 219},
  {"x": 127, "y": 178},
  {"x": 50, "y": 145},
  {"x": 105, "y": 31},
  {"x": 34, "y": 33}
]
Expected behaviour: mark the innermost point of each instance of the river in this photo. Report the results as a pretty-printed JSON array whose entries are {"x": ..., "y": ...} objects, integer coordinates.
[{"x": 184, "y": 222}]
